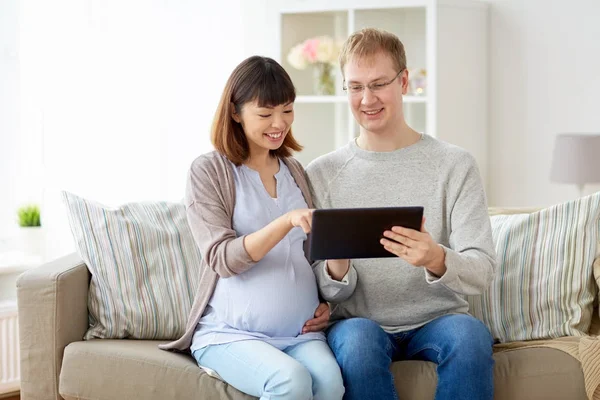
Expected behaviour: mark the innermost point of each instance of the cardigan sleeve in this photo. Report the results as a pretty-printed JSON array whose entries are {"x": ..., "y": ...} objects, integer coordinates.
[{"x": 209, "y": 207}]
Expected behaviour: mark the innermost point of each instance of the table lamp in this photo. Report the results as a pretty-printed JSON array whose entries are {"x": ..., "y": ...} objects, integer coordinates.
[{"x": 576, "y": 159}]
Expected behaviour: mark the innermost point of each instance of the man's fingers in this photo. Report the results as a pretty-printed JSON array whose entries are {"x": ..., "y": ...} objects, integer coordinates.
[
  {"x": 405, "y": 240},
  {"x": 409, "y": 233},
  {"x": 314, "y": 328}
]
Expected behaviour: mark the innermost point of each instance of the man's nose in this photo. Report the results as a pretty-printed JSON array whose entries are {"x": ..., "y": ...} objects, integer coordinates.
[{"x": 367, "y": 97}]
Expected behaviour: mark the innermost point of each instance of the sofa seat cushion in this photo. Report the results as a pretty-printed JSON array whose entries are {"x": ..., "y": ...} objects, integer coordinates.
[
  {"x": 135, "y": 369},
  {"x": 106, "y": 369}
]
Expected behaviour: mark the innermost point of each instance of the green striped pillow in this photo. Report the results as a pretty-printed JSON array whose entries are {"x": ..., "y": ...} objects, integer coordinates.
[
  {"x": 144, "y": 266},
  {"x": 544, "y": 285}
]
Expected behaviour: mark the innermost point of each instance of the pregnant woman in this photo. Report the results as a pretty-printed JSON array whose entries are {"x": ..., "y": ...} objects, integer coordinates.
[{"x": 256, "y": 320}]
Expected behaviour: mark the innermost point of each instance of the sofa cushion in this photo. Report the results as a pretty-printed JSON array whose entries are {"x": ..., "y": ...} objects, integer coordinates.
[
  {"x": 544, "y": 285},
  {"x": 144, "y": 266},
  {"x": 133, "y": 369}
]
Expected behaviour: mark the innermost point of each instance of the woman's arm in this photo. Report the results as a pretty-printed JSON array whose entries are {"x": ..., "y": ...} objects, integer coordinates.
[
  {"x": 259, "y": 243},
  {"x": 209, "y": 205}
]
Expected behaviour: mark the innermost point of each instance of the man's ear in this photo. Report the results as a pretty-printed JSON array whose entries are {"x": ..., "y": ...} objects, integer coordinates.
[
  {"x": 405, "y": 81},
  {"x": 235, "y": 115}
]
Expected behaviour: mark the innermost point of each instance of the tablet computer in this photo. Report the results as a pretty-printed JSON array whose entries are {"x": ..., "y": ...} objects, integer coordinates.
[{"x": 355, "y": 232}]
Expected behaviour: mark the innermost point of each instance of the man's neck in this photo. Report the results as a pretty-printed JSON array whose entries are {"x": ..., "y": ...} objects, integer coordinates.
[{"x": 387, "y": 141}]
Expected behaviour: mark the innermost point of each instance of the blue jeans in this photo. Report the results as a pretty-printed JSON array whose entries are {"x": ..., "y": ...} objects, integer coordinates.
[
  {"x": 304, "y": 371},
  {"x": 460, "y": 345}
]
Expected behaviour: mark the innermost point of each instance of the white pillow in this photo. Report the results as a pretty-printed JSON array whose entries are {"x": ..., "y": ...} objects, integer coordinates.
[
  {"x": 144, "y": 265},
  {"x": 544, "y": 285}
]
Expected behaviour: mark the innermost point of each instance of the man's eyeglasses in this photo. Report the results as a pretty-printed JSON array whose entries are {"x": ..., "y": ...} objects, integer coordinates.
[{"x": 356, "y": 89}]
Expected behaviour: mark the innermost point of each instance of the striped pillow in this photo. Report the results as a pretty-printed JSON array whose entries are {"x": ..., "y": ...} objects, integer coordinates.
[
  {"x": 144, "y": 266},
  {"x": 544, "y": 285}
]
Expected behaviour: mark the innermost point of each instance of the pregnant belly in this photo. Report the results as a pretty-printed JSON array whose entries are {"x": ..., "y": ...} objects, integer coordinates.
[{"x": 274, "y": 304}]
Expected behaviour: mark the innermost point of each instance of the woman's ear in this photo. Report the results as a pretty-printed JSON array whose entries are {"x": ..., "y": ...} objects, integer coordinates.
[{"x": 235, "y": 115}]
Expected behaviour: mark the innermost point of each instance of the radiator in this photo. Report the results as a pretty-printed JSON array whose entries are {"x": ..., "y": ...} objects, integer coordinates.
[{"x": 9, "y": 348}]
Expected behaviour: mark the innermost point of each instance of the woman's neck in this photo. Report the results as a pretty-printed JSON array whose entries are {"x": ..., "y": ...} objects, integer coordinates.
[{"x": 262, "y": 162}]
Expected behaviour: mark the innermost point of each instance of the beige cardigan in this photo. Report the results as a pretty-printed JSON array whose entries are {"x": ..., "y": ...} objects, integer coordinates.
[{"x": 209, "y": 201}]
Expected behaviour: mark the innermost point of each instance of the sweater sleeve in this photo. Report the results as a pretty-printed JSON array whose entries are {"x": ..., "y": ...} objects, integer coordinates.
[
  {"x": 470, "y": 254},
  {"x": 210, "y": 222},
  {"x": 332, "y": 291}
]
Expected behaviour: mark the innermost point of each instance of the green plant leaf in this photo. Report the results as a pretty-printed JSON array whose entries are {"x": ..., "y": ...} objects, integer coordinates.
[{"x": 29, "y": 215}]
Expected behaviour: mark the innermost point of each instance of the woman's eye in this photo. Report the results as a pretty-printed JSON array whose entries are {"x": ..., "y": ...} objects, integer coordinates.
[
  {"x": 288, "y": 111},
  {"x": 264, "y": 115}
]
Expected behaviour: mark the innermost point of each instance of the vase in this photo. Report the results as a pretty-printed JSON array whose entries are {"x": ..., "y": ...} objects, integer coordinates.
[
  {"x": 324, "y": 79},
  {"x": 32, "y": 240}
]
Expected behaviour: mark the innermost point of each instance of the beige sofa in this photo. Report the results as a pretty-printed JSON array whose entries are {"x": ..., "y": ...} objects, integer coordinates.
[{"x": 56, "y": 363}]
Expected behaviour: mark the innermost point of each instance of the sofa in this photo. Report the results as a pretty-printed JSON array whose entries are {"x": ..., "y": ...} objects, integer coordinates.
[{"x": 57, "y": 364}]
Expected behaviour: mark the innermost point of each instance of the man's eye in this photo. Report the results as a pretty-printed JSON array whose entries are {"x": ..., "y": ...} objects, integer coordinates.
[
  {"x": 356, "y": 88},
  {"x": 378, "y": 85}
]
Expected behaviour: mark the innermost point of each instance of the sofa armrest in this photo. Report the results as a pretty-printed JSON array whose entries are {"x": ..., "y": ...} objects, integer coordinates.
[{"x": 52, "y": 303}]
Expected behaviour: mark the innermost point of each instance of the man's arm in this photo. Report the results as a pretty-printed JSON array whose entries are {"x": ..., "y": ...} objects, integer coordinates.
[
  {"x": 335, "y": 289},
  {"x": 470, "y": 258},
  {"x": 336, "y": 278}
]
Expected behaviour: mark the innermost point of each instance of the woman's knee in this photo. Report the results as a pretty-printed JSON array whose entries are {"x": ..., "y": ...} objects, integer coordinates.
[
  {"x": 327, "y": 379},
  {"x": 292, "y": 381},
  {"x": 329, "y": 385}
]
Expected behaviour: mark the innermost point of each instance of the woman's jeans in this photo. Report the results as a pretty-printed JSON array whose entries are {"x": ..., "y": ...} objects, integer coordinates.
[{"x": 304, "y": 371}]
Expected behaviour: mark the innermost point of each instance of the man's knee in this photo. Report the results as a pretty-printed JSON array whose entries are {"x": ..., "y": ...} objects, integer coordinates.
[
  {"x": 471, "y": 339},
  {"x": 355, "y": 332},
  {"x": 359, "y": 341}
]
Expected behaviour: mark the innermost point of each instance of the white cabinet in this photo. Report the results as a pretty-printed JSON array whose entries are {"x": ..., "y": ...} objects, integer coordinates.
[{"x": 447, "y": 38}]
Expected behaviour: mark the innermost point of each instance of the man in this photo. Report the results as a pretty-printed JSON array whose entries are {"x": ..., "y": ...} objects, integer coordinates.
[{"x": 410, "y": 307}]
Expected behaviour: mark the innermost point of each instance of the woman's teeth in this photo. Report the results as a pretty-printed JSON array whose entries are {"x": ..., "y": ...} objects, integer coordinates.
[
  {"x": 274, "y": 135},
  {"x": 372, "y": 112}
]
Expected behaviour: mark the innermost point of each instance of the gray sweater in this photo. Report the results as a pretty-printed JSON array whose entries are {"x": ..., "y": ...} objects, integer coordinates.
[{"x": 445, "y": 180}]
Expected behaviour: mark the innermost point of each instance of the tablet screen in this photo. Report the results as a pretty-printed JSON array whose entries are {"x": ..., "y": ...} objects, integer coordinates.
[{"x": 340, "y": 233}]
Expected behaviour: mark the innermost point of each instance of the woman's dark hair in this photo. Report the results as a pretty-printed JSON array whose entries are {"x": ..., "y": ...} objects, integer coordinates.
[{"x": 259, "y": 79}]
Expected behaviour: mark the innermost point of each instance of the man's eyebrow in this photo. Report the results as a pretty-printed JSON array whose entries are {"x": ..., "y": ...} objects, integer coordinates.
[{"x": 376, "y": 79}]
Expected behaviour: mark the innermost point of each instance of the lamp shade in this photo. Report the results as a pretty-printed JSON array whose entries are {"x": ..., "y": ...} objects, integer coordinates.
[{"x": 576, "y": 158}]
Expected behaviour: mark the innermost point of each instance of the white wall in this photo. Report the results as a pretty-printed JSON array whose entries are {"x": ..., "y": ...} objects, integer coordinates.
[
  {"x": 123, "y": 94},
  {"x": 545, "y": 79},
  {"x": 9, "y": 120}
]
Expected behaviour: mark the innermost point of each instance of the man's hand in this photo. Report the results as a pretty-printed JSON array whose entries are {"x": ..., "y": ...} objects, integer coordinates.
[
  {"x": 417, "y": 248},
  {"x": 319, "y": 322}
]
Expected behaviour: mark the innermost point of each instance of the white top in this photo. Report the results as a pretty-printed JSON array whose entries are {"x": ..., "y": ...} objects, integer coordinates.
[{"x": 273, "y": 300}]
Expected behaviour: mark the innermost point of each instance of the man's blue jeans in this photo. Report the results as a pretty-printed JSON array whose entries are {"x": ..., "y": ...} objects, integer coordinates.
[{"x": 459, "y": 344}]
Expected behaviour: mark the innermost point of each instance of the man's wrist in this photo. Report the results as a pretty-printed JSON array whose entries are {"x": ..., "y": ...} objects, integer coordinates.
[
  {"x": 337, "y": 269},
  {"x": 438, "y": 265}
]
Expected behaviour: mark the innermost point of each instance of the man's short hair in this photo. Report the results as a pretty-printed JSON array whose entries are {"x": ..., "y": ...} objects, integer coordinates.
[{"x": 369, "y": 42}]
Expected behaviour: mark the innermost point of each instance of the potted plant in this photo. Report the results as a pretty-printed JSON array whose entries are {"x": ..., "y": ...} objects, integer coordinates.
[{"x": 32, "y": 236}]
